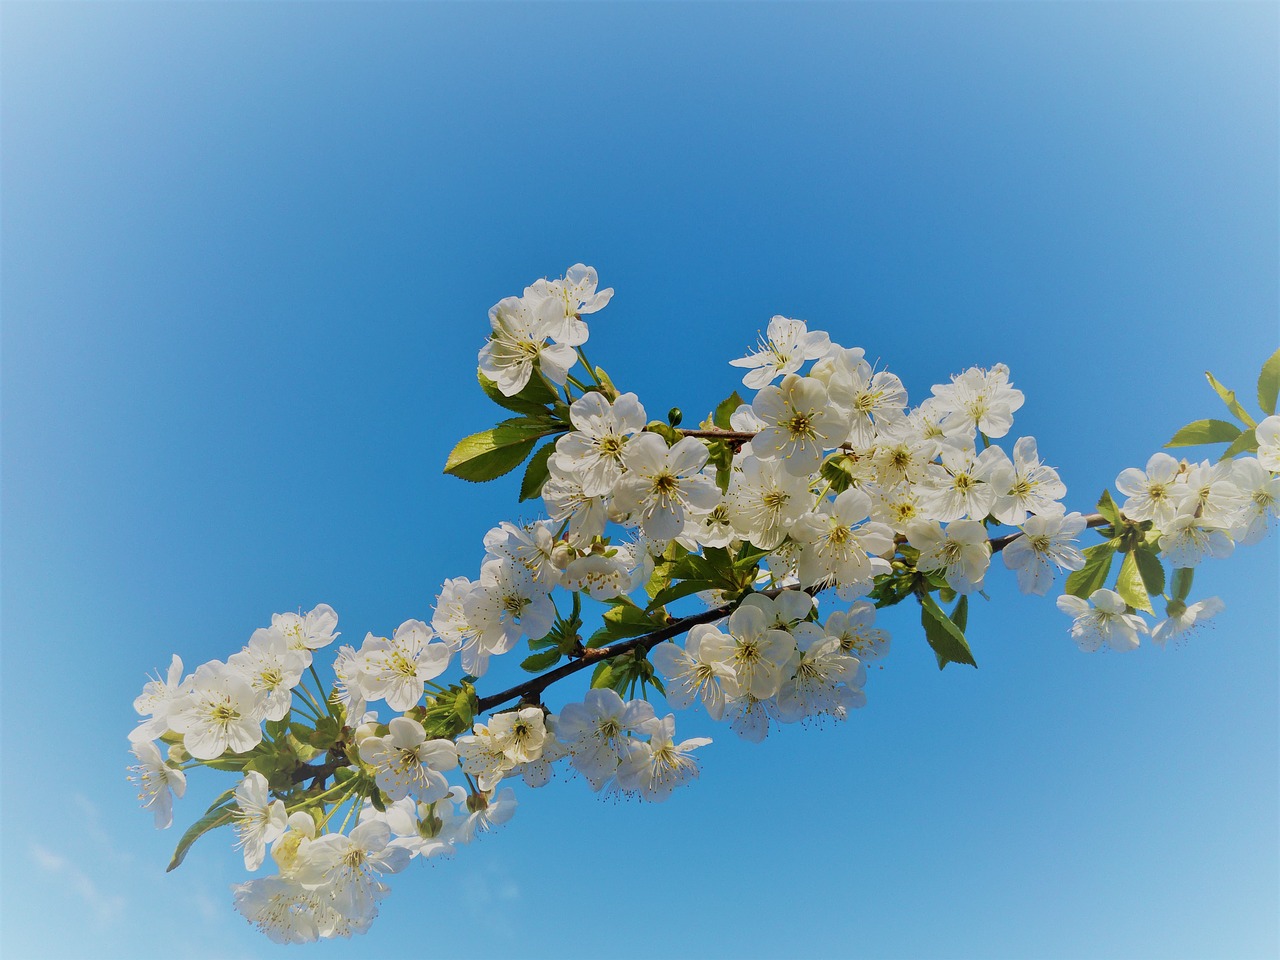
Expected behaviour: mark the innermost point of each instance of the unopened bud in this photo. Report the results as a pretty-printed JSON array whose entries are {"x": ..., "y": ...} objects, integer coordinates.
[
  {"x": 562, "y": 555},
  {"x": 178, "y": 753},
  {"x": 674, "y": 416}
]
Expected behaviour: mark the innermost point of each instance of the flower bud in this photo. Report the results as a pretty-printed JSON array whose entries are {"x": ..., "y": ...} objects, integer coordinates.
[
  {"x": 178, "y": 753},
  {"x": 562, "y": 554}
]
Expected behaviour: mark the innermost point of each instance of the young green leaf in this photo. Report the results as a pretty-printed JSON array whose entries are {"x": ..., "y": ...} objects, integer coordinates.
[
  {"x": 491, "y": 453},
  {"x": 724, "y": 410},
  {"x": 1269, "y": 384},
  {"x": 1247, "y": 442},
  {"x": 681, "y": 588},
  {"x": 1130, "y": 586},
  {"x": 1107, "y": 507},
  {"x": 1204, "y": 431},
  {"x": 960, "y": 613},
  {"x": 537, "y": 472},
  {"x": 540, "y": 661},
  {"x": 533, "y": 399},
  {"x": 1229, "y": 398},
  {"x": 1093, "y": 575},
  {"x": 220, "y": 812},
  {"x": 1151, "y": 569},
  {"x": 946, "y": 639}
]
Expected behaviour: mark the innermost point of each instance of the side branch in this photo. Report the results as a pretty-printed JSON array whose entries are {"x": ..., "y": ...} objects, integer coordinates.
[{"x": 531, "y": 689}]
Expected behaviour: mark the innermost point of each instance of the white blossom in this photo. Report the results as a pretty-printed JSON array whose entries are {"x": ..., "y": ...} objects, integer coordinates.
[
  {"x": 962, "y": 552},
  {"x": 1268, "y": 437},
  {"x": 700, "y": 671},
  {"x": 788, "y": 344},
  {"x": 259, "y": 820},
  {"x": 654, "y": 769},
  {"x": 158, "y": 783},
  {"x": 220, "y": 712},
  {"x": 397, "y": 669},
  {"x": 799, "y": 424},
  {"x": 1046, "y": 543},
  {"x": 662, "y": 483},
  {"x": 1102, "y": 620}
]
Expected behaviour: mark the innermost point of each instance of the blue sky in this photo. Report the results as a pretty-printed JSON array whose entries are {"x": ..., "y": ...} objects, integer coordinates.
[{"x": 247, "y": 255}]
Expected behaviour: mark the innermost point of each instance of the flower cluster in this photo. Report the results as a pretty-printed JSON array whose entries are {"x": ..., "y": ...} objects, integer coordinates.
[
  {"x": 1189, "y": 512},
  {"x": 826, "y": 479}
]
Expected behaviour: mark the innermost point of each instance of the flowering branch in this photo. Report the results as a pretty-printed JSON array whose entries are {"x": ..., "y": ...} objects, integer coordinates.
[{"x": 825, "y": 479}]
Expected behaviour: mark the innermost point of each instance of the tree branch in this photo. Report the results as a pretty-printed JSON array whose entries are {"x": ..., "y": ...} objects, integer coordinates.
[{"x": 533, "y": 687}]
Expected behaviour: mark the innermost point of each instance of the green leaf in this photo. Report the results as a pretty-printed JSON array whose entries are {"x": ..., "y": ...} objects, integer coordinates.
[
  {"x": 1247, "y": 442},
  {"x": 662, "y": 568},
  {"x": 602, "y": 676},
  {"x": 960, "y": 614},
  {"x": 724, "y": 410},
  {"x": 1269, "y": 384},
  {"x": 220, "y": 812},
  {"x": 1107, "y": 507},
  {"x": 491, "y": 453},
  {"x": 1130, "y": 586},
  {"x": 947, "y": 639},
  {"x": 1204, "y": 431},
  {"x": 537, "y": 472},
  {"x": 541, "y": 661},
  {"x": 682, "y": 588},
  {"x": 1151, "y": 569},
  {"x": 1182, "y": 577},
  {"x": 665, "y": 431},
  {"x": 1229, "y": 398},
  {"x": 533, "y": 399},
  {"x": 1093, "y": 575},
  {"x": 624, "y": 619}
]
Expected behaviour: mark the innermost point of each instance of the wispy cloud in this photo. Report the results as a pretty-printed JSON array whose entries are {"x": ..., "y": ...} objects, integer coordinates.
[{"x": 105, "y": 908}]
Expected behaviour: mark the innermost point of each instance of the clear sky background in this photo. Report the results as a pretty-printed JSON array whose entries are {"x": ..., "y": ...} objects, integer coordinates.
[{"x": 248, "y": 252}]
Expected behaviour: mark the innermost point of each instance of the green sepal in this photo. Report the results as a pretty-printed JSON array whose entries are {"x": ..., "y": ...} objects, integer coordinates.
[
  {"x": 541, "y": 661},
  {"x": 1201, "y": 432},
  {"x": 720, "y": 456},
  {"x": 1269, "y": 384},
  {"x": 606, "y": 385},
  {"x": 837, "y": 471},
  {"x": 1093, "y": 575},
  {"x": 490, "y": 453},
  {"x": 537, "y": 472},
  {"x": 892, "y": 590},
  {"x": 220, "y": 813},
  {"x": 1182, "y": 578},
  {"x": 1247, "y": 442},
  {"x": 724, "y": 410},
  {"x": 1130, "y": 586},
  {"x": 946, "y": 639},
  {"x": 535, "y": 398},
  {"x": 1229, "y": 398}
]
